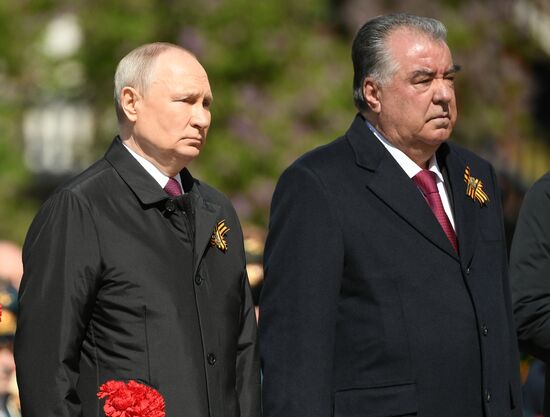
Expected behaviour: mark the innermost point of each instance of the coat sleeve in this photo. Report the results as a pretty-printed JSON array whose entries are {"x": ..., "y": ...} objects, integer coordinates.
[
  {"x": 530, "y": 271},
  {"x": 304, "y": 258},
  {"x": 61, "y": 263},
  {"x": 248, "y": 364}
]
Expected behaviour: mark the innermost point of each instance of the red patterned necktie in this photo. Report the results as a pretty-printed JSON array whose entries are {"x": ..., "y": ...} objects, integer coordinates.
[
  {"x": 172, "y": 188},
  {"x": 425, "y": 180}
]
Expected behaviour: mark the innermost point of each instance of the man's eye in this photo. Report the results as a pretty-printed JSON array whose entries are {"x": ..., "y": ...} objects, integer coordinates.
[{"x": 187, "y": 100}]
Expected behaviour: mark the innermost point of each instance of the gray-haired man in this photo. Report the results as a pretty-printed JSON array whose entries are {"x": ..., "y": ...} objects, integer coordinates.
[{"x": 135, "y": 271}]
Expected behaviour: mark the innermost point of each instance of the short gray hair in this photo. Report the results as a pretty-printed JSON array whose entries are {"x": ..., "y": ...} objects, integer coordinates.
[
  {"x": 370, "y": 55},
  {"x": 134, "y": 70}
]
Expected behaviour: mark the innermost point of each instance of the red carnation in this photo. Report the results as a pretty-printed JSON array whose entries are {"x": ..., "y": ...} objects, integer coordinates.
[{"x": 131, "y": 399}]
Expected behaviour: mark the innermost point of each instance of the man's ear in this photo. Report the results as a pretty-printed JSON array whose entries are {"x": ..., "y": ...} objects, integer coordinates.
[
  {"x": 371, "y": 92},
  {"x": 129, "y": 99}
]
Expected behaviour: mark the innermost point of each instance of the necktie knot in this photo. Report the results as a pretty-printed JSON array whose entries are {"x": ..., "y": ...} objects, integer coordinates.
[
  {"x": 173, "y": 188},
  {"x": 425, "y": 180}
]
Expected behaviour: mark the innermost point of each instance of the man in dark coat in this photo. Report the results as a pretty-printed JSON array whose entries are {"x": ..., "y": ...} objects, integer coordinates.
[
  {"x": 134, "y": 270},
  {"x": 530, "y": 276},
  {"x": 386, "y": 291}
]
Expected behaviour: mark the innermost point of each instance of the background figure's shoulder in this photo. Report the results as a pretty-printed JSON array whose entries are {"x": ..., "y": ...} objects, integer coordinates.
[
  {"x": 538, "y": 195},
  {"x": 542, "y": 185}
]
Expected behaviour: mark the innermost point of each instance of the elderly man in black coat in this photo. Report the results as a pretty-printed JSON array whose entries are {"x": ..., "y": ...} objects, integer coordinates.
[
  {"x": 386, "y": 289},
  {"x": 135, "y": 271}
]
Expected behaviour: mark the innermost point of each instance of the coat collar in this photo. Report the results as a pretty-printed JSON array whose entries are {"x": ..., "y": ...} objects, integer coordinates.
[
  {"x": 149, "y": 193},
  {"x": 386, "y": 176},
  {"x": 144, "y": 186}
]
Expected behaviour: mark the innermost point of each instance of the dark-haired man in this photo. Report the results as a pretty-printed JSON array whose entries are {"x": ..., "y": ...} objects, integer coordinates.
[{"x": 386, "y": 291}]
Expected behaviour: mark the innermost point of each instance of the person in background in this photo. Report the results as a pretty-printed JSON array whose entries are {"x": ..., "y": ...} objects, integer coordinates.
[
  {"x": 9, "y": 395},
  {"x": 11, "y": 271},
  {"x": 386, "y": 289},
  {"x": 530, "y": 276},
  {"x": 11, "y": 264},
  {"x": 134, "y": 271}
]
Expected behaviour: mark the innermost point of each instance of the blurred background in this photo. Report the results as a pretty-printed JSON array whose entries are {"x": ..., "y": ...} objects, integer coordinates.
[{"x": 281, "y": 75}]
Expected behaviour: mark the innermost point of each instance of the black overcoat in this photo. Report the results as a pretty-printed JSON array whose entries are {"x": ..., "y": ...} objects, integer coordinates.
[
  {"x": 366, "y": 309},
  {"x": 122, "y": 282},
  {"x": 530, "y": 275}
]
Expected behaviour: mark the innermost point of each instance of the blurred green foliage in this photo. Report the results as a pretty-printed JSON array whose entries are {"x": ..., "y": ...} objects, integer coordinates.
[{"x": 281, "y": 75}]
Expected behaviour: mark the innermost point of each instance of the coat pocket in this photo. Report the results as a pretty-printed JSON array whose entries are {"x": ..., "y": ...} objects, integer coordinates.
[{"x": 386, "y": 401}]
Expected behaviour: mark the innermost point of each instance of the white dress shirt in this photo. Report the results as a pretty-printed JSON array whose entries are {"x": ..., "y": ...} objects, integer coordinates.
[
  {"x": 411, "y": 169},
  {"x": 153, "y": 170}
]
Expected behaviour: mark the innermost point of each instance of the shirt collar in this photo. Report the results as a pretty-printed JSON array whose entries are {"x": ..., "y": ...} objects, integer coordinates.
[
  {"x": 152, "y": 169},
  {"x": 406, "y": 163}
]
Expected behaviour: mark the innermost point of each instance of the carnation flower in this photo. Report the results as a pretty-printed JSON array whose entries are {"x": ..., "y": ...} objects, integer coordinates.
[{"x": 131, "y": 399}]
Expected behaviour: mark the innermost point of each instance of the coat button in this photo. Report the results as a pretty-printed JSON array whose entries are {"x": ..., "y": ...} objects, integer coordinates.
[
  {"x": 211, "y": 358},
  {"x": 467, "y": 271},
  {"x": 488, "y": 396},
  {"x": 484, "y": 330},
  {"x": 170, "y": 206},
  {"x": 198, "y": 280}
]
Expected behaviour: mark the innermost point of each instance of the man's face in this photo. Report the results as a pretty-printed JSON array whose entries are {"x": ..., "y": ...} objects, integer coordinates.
[
  {"x": 417, "y": 107},
  {"x": 172, "y": 116}
]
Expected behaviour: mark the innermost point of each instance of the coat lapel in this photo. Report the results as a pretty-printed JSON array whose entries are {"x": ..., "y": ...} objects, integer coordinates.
[
  {"x": 143, "y": 185},
  {"x": 391, "y": 184},
  {"x": 464, "y": 208},
  {"x": 207, "y": 214}
]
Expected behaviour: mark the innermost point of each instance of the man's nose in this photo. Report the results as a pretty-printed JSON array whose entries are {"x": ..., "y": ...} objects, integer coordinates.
[
  {"x": 201, "y": 116},
  {"x": 444, "y": 91}
]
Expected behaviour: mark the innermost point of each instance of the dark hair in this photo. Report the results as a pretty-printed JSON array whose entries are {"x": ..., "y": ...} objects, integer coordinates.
[{"x": 370, "y": 55}]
